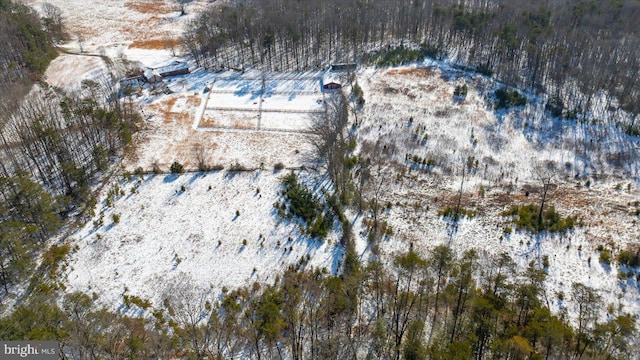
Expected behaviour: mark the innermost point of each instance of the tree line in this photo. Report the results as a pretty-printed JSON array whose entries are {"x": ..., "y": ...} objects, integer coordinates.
[
  {"x": 443, "y": 306},
  {"x": 27, "y": 49},
  {"x": 52, "y": 147},
  {"x": 572, "y": 50},
  {"x": 52, "y": 143}
]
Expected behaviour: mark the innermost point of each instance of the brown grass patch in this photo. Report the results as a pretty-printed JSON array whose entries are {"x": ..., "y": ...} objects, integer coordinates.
[
  {"x": 208, "y": 123},
  {"x": 154, "y": 44},
  {"x": 423, "y": 72},
  {"x": 194, "y": 101},
  {"x": 150, "y": 7},
  {"x": 183, "y": 118},
  {"x": 170, "y": 102},
  {"x": 163, "y": 109}
]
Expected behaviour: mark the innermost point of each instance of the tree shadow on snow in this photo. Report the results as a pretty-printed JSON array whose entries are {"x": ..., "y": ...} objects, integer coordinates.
[{"x": 170, "y": 178}]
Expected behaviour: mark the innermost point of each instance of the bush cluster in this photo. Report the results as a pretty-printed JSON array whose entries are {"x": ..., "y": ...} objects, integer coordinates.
[
  {"x": 299, "y": 202},
  {"x": 420, "y": 161},
  {"x": 176, "y": 168},
  {"x": 507, "y": 98},
  {"x": 526, "y": 218},
  {"x": 629, "y": 259},
  {"x": 450, "y": 212},
  {"x": 402, "y": 55},
  {"x": 461, "y": 91}
]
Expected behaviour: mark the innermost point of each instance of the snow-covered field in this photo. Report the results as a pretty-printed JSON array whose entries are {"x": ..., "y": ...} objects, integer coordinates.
[
  {"x": 190, "y": 229},
  {"x": 168, "y": 235},
  {"x": 404, "y": 105}
]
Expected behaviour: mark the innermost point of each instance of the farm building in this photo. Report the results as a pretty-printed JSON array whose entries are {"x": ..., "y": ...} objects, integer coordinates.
[
  {"x": 344, "y": 67},
  {"x": 331, "y": 86},
  {"x": 152, "y": 76},
  {"x": 330, "y": 83},
  {"x": 173, "y": 69}
]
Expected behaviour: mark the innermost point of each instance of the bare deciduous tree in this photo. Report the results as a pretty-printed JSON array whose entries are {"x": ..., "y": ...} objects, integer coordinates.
[
  {"x": 183, "y": 6},
  {"x": 199, "y": 152},
  {"x": 52, "y": 20},
  {"x": 545, "y": 172},
  {"x": 328, "y": 136}
]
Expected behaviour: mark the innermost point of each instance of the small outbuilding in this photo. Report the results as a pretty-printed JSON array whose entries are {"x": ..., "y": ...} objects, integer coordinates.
[
  {"x": 332, "y": 86},
  {"x": 152, "y": 76},
  {"x": 344, "y": 67},
  {"x": 173, "y": 69},
  {"x": 330, "y": 83}
]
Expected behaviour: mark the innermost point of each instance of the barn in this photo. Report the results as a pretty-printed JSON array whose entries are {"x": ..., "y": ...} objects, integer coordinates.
[
  {"x": 331, "y": 86},
  {"x": 173, "y": 69},
  {"x": 330, "y": 83}
]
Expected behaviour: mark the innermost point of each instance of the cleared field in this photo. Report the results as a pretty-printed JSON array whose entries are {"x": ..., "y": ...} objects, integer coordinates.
[
  {"x": 296, "y": 85},
  {"x": 239, "y": 86},
  {"x": 293, "y": 102},
  {"x": 229, "y": 119},
  {"x": 286, "y": 121},
  {"x": 246, "y": 101}
]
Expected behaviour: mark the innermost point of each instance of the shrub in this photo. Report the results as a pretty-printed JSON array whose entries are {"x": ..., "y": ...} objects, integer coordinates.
[
  {"x": 156, "y": 168},
  {"x": 507, "y": 98},
  {"x": 351, "y": 161},
  {"x": 526, "y": 218},
  {"x": 237, "y": 167},
  {"x": 628, "y": 259},
  {"x": 244, "y": 242},
  {"x": 53, "y": 257},
  {"x": 116, "y": 218},
  {"x": 554, "y": 109},
  {"x": 237, "y": 213},
  {"x": 450, "y": 212},
  {"x": 461, "y": 91},
  {"x": 176, "y": 168},
  {"x": 300, "y": 203},
  {"x": 203, "y": 167},
  {"x": 484, "y": 70},
  {"x": 357, "y": 90},
  {"x": 605, "y": 256},
  {"x": 319, "y": 228},
  {"x": 137, "y": 301},
  {"x": 396, "y": 56},
  {"x": 545, "y": 261},
  {"x": 351, "y": 145},
  {"x": 278, "y": 166},
  {"x": 139, "y": 172}
]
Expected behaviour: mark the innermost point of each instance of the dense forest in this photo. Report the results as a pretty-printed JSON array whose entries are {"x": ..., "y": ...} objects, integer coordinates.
[
  {"x": 571, "y": 50},
  {"x": 52, "y": 143},
  {"x": 26, "y": 50}
]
